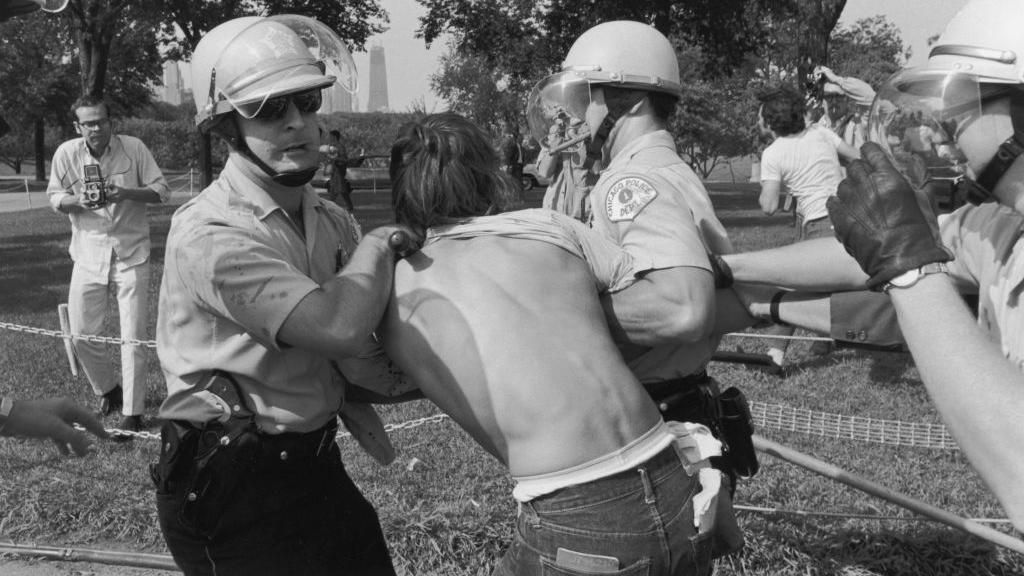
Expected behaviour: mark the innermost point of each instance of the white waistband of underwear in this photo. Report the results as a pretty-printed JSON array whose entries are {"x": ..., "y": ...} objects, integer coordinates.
[{"x": 647, "y": 446}]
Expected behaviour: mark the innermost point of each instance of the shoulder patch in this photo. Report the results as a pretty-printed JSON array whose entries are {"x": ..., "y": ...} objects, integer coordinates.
[{"x": 627, "y": 198}]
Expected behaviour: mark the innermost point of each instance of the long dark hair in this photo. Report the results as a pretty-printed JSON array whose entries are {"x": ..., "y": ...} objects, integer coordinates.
[{"x": 444, "y": 167}]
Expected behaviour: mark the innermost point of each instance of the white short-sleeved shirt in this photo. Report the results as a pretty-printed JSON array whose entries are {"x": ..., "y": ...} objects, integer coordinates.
[
  {"x": 989, "y": 259},
  {"x": 807, "y": 165},
  {"x": 235, "y": 268},
  {"x": 651, "y": 203},
  {"x": 119, "y": 228}
]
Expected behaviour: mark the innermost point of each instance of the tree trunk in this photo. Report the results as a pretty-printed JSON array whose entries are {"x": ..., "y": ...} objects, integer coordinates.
[
  {"x": 40, "y": 150},
  {"x": 819, "y": 18}
]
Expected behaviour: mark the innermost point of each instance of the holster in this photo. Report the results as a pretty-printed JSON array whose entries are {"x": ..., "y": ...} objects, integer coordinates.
[
  {"x": 696, "y": 399},
  {"x": 208, "y": 461}
]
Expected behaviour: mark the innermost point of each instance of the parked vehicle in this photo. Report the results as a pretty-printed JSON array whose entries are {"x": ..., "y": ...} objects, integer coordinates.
[{"x": 533, "y": 178}]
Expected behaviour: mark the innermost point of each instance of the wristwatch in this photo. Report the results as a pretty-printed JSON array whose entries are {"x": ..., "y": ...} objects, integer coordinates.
[{"x": 910, "y": 277}]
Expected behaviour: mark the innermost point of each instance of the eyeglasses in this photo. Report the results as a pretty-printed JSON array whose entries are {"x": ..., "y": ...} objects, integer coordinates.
[
  {"x": 94, "y": 124},
  {"x": 275, "y": 108}
]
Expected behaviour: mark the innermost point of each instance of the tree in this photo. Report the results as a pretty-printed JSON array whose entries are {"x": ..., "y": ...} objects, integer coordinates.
[
  {"x": 354, "y": 20},
  {"x": 871, "y": 49},
  {"x": 38, "y": 81}
]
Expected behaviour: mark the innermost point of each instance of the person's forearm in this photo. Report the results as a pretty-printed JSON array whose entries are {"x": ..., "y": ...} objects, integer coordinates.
[
  {"x": 807, "y": 310},
  {"x": 978, "y": 392},
  {"x": 819, "y": 265},
  {"x": 69, "y": 204},
  {"x": 336, "y": 319},
  {"x": 146, "y": 195}
]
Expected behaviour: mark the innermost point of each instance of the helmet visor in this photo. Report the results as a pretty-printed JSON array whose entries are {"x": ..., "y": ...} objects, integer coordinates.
[
  {"x": 556, "y": 103},
  {"x": 919, "y": 117},
  {"x": 280, "y": 56}
]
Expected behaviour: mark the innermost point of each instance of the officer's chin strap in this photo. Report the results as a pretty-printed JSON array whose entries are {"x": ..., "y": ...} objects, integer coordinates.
[
  {"x": 598, "y": 138},
  {"x": 980, "y": 190},
  {"x": 290, "y": 178}
]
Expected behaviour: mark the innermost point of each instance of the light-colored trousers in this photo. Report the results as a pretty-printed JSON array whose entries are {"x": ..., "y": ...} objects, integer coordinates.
[{"x": 88, "y": 303}]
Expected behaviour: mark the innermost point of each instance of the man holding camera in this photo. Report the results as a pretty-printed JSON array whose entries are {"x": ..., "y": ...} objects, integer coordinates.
[{"x": 103, "y": 182}]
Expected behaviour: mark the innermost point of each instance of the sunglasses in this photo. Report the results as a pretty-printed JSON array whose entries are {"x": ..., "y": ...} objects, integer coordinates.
[{"x": 275, "y": 108}]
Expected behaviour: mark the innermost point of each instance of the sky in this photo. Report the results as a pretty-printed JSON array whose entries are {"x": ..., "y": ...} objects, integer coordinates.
[{"x": 410, "y": 64}]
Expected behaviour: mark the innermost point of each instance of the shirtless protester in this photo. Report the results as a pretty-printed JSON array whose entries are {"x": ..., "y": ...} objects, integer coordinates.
[{"x": 498, "y": 321}]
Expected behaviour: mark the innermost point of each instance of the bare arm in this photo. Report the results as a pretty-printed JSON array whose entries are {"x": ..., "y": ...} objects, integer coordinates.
[
  {"x": 847, "y": 152},
  {"x": 978, "y": 392},
  {"x": 771, "y": 190},
  {"x": 667, "y": 305},
  {"x": 818, "y": 265},
  {"x": 337, "y": 319}
]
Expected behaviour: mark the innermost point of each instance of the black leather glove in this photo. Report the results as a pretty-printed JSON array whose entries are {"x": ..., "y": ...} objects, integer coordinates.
[{"x": 881, "y": 221}]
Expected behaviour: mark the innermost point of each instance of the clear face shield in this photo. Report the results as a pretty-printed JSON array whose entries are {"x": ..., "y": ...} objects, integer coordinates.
[
  {"x": 282, "y": 59},
  {"x": 920, "y": 118},
  {"x": 557, "y": 110}
]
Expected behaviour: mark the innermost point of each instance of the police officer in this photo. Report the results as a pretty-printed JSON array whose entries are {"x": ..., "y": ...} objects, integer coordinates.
[
  {"x": 972, "y": 90},
  {"x": 623, "y": 78},
  {"x": 264, "y": 286}
]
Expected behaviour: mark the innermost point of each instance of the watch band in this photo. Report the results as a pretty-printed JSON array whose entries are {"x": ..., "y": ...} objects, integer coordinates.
[{"x": 914, "y": 275}]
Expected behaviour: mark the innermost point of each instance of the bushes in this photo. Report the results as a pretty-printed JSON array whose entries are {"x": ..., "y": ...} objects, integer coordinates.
[{"x": 175, "y": 143}]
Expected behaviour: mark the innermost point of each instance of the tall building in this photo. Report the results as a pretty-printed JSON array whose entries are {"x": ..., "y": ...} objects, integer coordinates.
[
  {"x": 336, "y": 100},
  {"x": 172, "y": 91},
  {"x": 378, "y": 98}
]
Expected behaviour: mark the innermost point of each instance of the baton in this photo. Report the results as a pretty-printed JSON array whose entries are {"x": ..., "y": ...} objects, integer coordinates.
[
  {"x": 570, "y": 142},
  {"x": 401, "y": 243}
]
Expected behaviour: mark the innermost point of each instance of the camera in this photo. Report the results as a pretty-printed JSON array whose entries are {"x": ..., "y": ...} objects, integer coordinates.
[
  {"x": 95, "y": 186},
  {"x": 814, "y": 85}
]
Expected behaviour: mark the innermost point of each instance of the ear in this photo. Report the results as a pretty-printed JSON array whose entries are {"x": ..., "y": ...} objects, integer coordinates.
[{"x": 78, "y": 129}]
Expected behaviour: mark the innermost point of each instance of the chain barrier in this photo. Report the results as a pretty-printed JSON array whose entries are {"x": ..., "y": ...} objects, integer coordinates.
[
  {"x": 66, "y": 336},
  {"x": 769, "y": 416},
  {"x": 765, "y": 416},
  {"x": 152, "y": 343}
]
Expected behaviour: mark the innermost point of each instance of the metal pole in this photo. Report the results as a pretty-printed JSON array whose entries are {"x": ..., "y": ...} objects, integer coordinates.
[
  {"x": 137, "y": 559},
  {"x": 825, "y": 469},
  {"x": 27, "y": 192}
]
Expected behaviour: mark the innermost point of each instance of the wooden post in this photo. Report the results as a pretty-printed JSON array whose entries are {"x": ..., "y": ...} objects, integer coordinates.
[{"x": 65, "y": 327}]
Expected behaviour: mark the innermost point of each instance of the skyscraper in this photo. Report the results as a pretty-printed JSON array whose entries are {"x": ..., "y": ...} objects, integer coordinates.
[{"x": 378, "y": 98}]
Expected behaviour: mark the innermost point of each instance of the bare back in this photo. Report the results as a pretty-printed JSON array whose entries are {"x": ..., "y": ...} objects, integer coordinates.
[{"x": 508, "y": 337}]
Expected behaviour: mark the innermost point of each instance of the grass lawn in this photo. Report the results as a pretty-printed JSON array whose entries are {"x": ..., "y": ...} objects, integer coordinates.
[{"x": 446, "y": 506}]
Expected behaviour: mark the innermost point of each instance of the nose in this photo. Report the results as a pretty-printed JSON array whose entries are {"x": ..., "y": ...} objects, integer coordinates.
[{"x": 293, "y": 117}]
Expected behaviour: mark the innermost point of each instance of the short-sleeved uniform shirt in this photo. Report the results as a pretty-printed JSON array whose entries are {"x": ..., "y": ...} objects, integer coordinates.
[
  {"x": 989, "y": 259},
  {"x": 807, "y": 165},
  {"x": 650, "y": 203},
  {"x": 235, "y": 268},
  {"x": 119, "y": 228}
]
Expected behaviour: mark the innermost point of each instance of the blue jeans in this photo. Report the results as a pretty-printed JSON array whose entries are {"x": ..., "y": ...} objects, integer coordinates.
[{"x": 643, "y": 518}]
